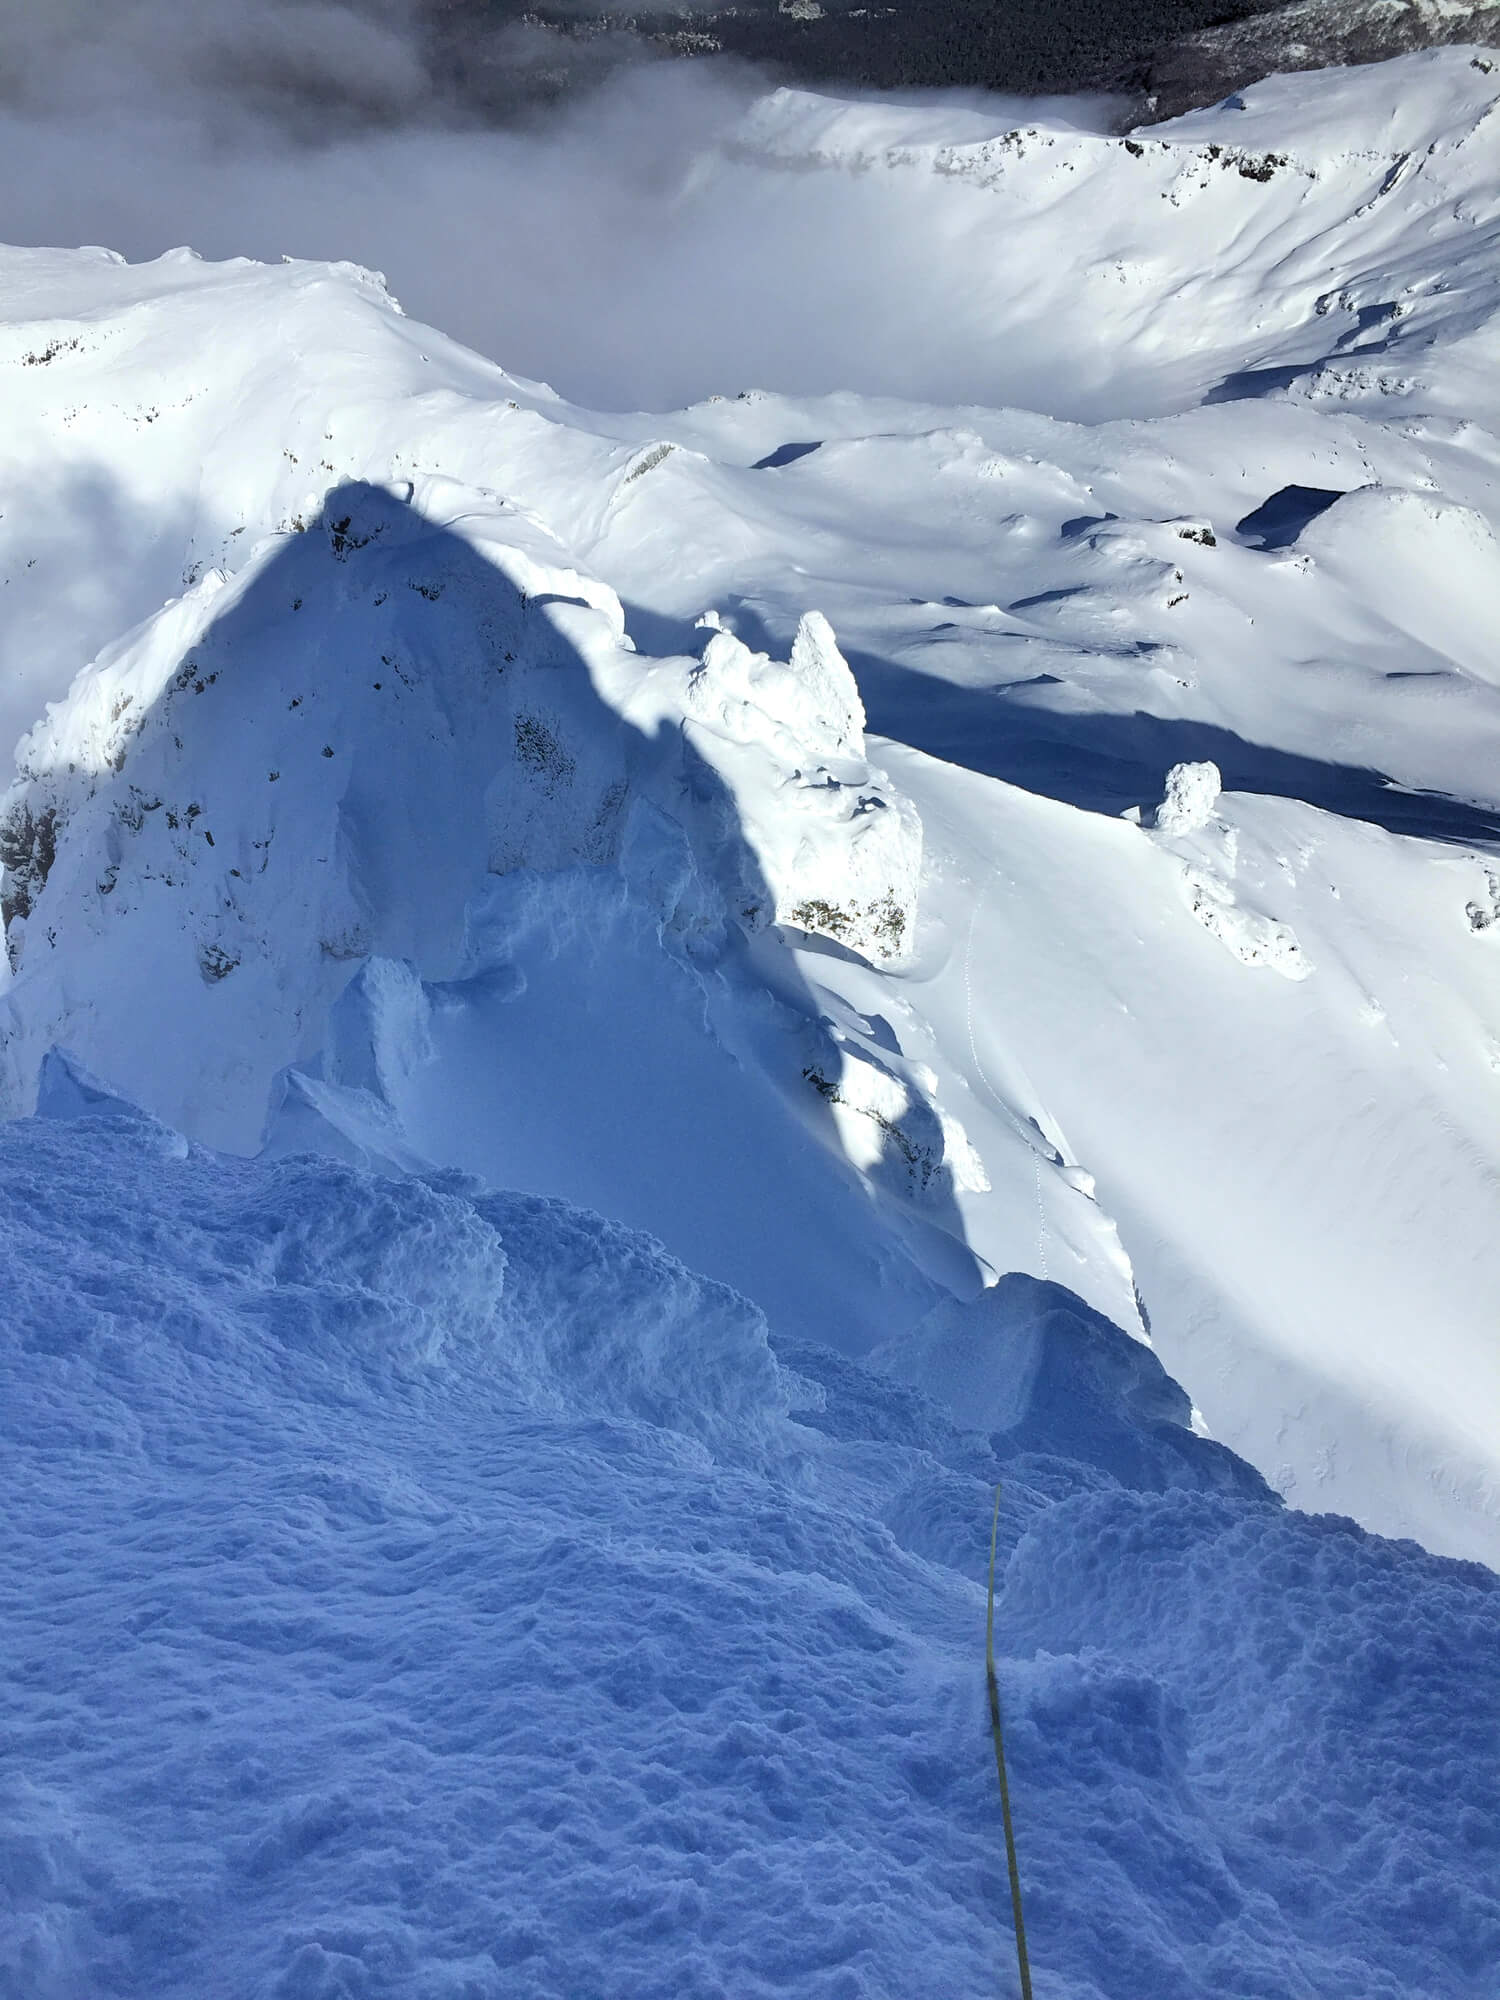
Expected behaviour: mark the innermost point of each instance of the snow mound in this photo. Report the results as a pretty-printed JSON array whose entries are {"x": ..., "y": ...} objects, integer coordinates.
[
  {"x": 383, "y": 1280},
  {"x": 1030, "y": 1362},
  {"x": 1421, "y": 562},
  {"x": 1322, "y": 1625}
]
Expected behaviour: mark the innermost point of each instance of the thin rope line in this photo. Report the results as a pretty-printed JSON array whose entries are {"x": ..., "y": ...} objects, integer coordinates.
[{"x": 995, "y": 1730}]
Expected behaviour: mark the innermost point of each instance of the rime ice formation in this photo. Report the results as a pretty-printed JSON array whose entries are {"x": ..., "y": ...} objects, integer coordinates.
[
  {"x": 839, "y": 851},
  {"x": 1191, "y": 795}
]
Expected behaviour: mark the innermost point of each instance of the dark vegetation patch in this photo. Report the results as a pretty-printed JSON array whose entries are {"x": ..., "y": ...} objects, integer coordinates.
[{"x": 1018, "y": 45}]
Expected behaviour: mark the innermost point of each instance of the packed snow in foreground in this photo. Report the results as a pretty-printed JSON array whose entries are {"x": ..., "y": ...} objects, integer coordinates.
[
  {"x": 1013, "y": 902},
  {"x": 417, "y": 1590}
]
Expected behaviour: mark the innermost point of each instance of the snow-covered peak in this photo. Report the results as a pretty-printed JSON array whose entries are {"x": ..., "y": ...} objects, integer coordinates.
[{"x": 327, "y": 757}]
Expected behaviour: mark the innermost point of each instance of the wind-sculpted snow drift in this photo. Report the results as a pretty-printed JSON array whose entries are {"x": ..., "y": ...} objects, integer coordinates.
[
  {"x": 412, "y": 1589},
  {"x": 1012, "y": 902}
]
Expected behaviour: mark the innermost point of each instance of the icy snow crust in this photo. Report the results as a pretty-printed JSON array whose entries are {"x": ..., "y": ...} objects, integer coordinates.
[
  {"x": 1012, "y": 901},
  {"x": 417, "y": 1590}
]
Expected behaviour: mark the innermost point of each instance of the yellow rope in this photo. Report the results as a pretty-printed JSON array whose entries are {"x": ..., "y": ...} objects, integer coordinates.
[{"x": 1010, "y": 1832}]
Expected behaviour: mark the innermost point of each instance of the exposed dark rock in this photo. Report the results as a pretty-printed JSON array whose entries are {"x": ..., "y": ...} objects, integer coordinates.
[{"x": 1203, "y": 67}]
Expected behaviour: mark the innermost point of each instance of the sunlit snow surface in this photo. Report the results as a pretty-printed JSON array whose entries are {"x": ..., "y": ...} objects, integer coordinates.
[{"x": 742, "y": 827}]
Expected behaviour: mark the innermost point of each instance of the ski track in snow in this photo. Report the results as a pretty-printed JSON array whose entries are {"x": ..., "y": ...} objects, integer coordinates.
[{"x": 414, "y": 1587}]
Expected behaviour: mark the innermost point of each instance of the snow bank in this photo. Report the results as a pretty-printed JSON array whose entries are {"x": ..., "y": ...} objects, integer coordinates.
[
  {"x": 385, "y": 1280},
  {"x": 1031, "y": 1365},
  {"x": 1424, "y": 565}
]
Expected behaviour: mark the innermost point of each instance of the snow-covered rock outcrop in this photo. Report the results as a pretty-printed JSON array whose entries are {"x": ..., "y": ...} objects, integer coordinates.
[
  {"x": 839, "y": 850},
  {"x": 323, "y": 760},
  {"x": 1191, "y": 795}
]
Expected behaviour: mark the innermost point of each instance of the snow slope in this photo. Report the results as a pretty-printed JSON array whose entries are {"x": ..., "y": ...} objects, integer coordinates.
[
  {"x": 459, "y": 621},
  {"x": 554, "y": 725},
  {"x": 413, "y": 1589},
  {"x": 1012, "y": 901}
]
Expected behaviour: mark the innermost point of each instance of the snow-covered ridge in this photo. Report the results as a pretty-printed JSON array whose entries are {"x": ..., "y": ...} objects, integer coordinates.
[
  {"x": 630, "y": 781},
  {"x": 324, "y": 758},
  {"x": 1259, "y": 224},
  {"x": 1200, "y": 68}
]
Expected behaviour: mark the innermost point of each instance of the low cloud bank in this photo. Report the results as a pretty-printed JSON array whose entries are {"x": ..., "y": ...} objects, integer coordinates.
[{"x": 613, "y": 244}]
